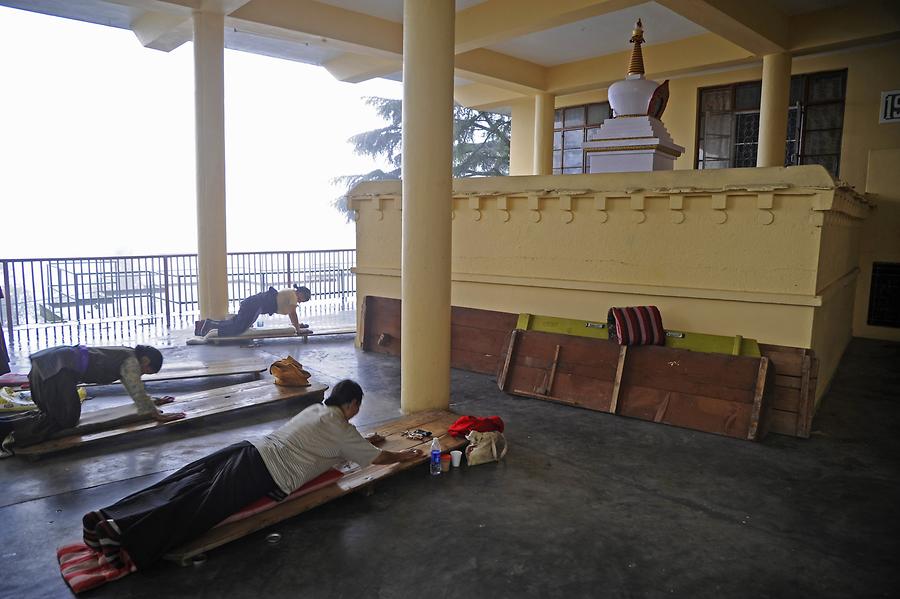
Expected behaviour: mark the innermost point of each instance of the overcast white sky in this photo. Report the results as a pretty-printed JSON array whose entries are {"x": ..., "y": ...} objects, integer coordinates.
[{"x": 97, "y": 145}]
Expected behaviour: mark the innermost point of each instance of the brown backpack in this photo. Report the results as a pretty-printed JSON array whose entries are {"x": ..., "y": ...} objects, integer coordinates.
[{"x": 289, "y": 373}]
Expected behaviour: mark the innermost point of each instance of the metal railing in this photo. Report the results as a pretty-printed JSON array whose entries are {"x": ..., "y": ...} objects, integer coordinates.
[{"x": 52, "y": 301}]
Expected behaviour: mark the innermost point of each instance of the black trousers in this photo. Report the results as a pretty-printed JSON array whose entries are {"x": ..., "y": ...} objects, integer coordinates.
[
  {"x": 189, "y": 502},
  {"x": 247, "y": 314},
  {"x": 58, "y": 406}
]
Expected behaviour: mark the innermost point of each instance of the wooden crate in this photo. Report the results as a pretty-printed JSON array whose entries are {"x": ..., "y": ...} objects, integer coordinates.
[
  {"x": 794, "y": 392},
  {"x": 710, "y": 392},
  {"x": 478, "y": 338}
]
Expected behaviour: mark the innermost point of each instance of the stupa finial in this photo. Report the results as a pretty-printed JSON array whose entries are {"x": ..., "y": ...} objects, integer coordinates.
[{"x": 636, "y": 64}]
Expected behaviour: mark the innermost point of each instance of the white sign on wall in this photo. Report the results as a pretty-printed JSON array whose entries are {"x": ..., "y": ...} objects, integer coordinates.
[{"x": 890, "y": 107}]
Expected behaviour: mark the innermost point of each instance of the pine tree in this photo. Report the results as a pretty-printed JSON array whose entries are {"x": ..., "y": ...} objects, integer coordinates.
[{"x": 480, "y": 145}]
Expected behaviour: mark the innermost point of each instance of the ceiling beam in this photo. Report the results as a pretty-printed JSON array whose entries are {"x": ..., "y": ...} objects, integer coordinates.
[
  {"x": 163, "y": 31},
  {"x": 356, "y": 68},
  {"x": 169, "y": 29},
  {"x": 495, "y": 21},
  {"x": 494, "y": 68},
  {"x": 670, "y": 59},
  {"x": 484, "y": 96},
  {"x": 755, "y": 26},
  {"x": 855, "y": 23},
  {"x": 344, "y": 29}
]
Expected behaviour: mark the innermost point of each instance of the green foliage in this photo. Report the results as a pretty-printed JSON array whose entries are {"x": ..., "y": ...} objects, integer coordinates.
[{"x": 480, "y": 145}]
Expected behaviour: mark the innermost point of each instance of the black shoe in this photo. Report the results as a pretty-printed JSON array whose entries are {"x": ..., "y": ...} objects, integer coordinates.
[
  {"x": 198, "y": 328},
  {"x": 208, "y": 325}
]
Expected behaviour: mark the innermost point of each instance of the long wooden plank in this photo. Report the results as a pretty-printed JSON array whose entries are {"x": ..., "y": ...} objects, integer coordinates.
[
  {"x": 756, "y": 412},
  {"x": 189, "y": 370},
  {"x": 788, "y": 382},
  {"x": 807, "y": 398},
  {"x": 437, "y": 422},
  {"x": 700, "y": 342},
  {"x": 585, "y": 369},
  {"x": 196, "y": 406},
  {"x": 789, "y": 360},
  {"x": 617, "y": 382},
  {"x": 479, "y": 362},
  {"x": 708, "y": 414},
  {"x": 482, "y": 319},
  {"x": 783, "y": 423},
  {"x": 504, "y": 372},
  {"x": 786, "y": 399}
]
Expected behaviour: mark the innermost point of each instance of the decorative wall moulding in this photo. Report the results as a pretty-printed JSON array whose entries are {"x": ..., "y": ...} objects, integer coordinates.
[
  {"x": 676, "y": 207},
  {"x": 719, "y": 204},
  {"x": 843, "y": 207}
]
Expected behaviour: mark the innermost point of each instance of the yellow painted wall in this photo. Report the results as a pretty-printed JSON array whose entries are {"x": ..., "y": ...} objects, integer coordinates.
[
  {"x": 737, "y": 251},
  {"x": 880, "y": 233},
  {"x": 870, "y": 70}
]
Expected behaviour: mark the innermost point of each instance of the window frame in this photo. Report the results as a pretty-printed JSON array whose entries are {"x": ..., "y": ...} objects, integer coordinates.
[
  {"x": 584, "y": 128},
  {"x": 801, "y": 106}
]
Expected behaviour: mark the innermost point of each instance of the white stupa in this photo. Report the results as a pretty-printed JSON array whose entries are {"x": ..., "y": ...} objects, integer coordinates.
[{"x": 634, "y": 139}]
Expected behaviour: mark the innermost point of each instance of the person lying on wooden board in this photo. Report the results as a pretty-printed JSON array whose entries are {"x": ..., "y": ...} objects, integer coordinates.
[
  {"x": 138, "y": 530},
  {"x": 268, "y": 302},
  {"x": 55, "y": 375}
]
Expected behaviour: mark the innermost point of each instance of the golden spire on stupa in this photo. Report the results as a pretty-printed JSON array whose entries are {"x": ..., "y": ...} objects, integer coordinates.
[{"x": 636, "y": 64}]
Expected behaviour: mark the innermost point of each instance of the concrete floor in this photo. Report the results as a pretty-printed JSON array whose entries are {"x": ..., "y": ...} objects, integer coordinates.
[{"x": 585, "y": 504}]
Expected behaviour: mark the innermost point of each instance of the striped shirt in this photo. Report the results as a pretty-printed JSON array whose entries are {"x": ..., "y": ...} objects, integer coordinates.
[{"x": 310, "y": 443}]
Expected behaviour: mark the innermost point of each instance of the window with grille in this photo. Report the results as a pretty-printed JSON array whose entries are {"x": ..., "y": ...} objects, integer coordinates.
[
  {"x": 573, "y": 126},
  {"x": 728, "y": 122}
]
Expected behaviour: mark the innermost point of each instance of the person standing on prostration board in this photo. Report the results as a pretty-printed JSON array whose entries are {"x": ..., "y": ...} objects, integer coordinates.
[{"x": 268, "y": 302}]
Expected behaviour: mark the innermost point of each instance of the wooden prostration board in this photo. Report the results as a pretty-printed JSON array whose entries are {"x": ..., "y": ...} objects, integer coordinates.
[
  {"x": 182, "y": 370},
  {"x": 477, "y": 337},
  {"x": 110, "y": 423},
  {"x": 196, "y": 369},
  {"x": 435, "y": 421},
  {"x": 709, "y": 392},
  {"x": 480, "y": 338},
  {"x": 253, "y": 334}
]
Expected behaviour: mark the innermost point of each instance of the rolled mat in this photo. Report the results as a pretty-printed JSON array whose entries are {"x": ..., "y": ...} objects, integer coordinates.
[{"x": 636, "y": 325}]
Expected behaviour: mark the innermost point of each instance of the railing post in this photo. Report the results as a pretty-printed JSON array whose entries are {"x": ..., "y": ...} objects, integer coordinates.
[
  {"x": 166, "y": 291},
  {"x": 6, "y": 292},
  {"x": 290, "y": 280},
  {"x": 77, "y": 277}
]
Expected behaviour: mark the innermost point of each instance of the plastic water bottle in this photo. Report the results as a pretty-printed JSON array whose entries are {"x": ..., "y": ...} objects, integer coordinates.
[{"x": 435, "y": 457}]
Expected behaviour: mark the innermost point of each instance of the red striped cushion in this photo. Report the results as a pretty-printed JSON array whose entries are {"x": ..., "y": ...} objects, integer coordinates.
[
  {"x": 83, "y": 568},
  {"x": 636, "y": 325}
]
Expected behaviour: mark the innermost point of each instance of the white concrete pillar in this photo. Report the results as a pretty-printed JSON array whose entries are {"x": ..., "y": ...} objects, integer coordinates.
[
  {"x": 209, "y": 106},
  {"x": 773, "y": 109},
  {"x": 543, "y": 134},
  {"x": 428, "y": 39}
]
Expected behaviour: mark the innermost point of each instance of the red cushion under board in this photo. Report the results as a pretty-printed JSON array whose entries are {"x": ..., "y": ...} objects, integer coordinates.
[{"x": 267, "y": 503}]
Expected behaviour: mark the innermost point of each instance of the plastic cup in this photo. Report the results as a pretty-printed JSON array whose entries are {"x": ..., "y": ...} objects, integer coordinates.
[
  {"x": 445, "y": 463},
  {"x": 456, "y": 457}
]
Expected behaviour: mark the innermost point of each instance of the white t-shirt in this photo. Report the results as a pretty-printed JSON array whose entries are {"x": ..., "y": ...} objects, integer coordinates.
[
  {"x": 310, "y": 443},
  {"x": 286, "y": 301}
]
